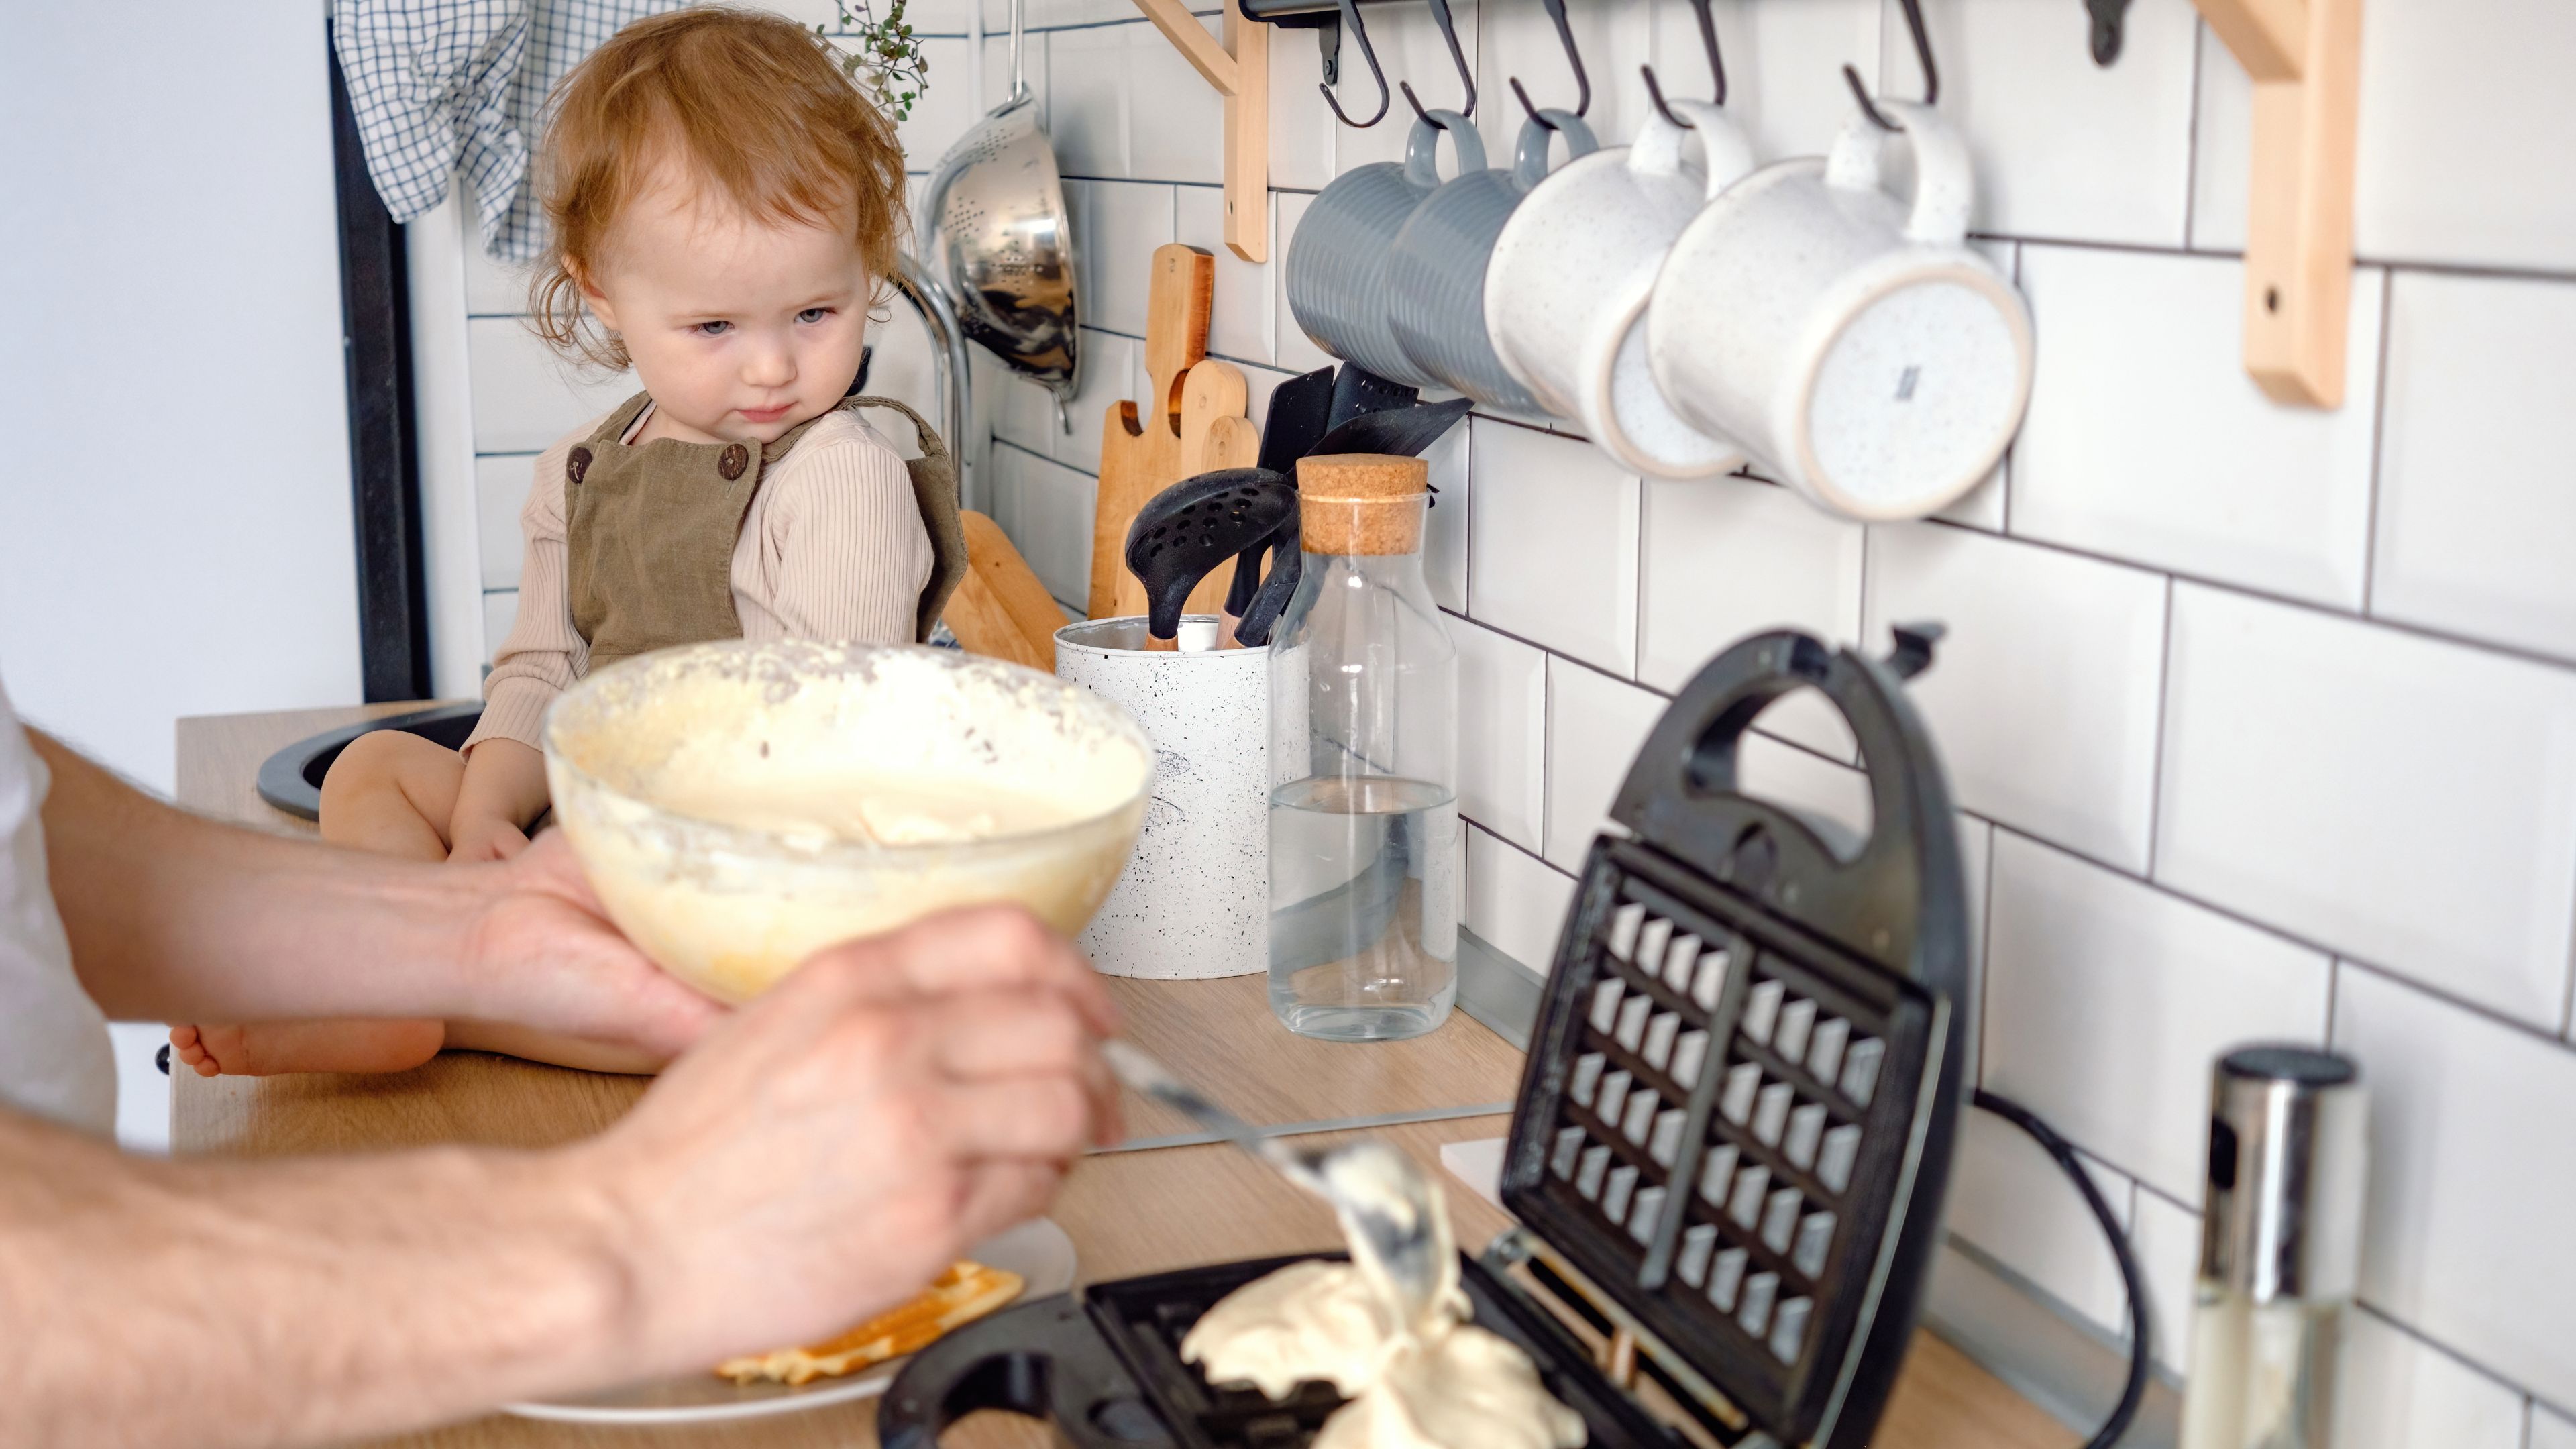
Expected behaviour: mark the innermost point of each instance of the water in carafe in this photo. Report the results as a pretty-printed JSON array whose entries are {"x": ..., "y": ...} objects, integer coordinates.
[{"x": 1364, "y": 830}]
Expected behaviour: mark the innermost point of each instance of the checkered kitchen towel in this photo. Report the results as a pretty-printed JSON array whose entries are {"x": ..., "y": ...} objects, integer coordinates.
[{"x": 447, "y": 86}]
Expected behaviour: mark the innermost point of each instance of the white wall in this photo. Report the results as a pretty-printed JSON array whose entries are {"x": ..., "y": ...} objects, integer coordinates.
[{"x": 175, "y": 533}]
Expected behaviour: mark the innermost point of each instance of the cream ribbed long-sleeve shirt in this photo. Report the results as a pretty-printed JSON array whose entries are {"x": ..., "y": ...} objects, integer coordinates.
[{"x": 832, "y": 548}]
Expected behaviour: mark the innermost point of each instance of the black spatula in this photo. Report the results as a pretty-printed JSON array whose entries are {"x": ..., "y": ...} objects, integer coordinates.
[
  {"x": 1198, "y": 523},
  {"x": 1406, "y": 432},
  {"x": 1300, "y": 413},
  {"x": 1356, "y": 390}
]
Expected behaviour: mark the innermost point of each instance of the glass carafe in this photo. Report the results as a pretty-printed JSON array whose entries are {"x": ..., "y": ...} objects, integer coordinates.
[{"x": 1364, "y": 835}]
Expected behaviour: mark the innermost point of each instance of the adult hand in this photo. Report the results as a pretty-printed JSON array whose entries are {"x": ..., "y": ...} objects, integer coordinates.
[
  {"x": 826, "y": 1151},
  {"x": 542, "y": 954}
]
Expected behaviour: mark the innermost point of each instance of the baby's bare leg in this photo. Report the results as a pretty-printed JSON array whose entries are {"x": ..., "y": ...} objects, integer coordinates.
[
  {"x": 391, "y": 793},
  {"x": 266, "y": 1048}
]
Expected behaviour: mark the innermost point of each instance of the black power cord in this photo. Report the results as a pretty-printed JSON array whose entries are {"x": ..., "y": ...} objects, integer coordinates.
[{"x": 2135, "y": 1390}]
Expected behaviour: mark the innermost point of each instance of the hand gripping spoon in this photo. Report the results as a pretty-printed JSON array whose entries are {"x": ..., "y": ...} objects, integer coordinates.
[
  {"x": 1198, "y": 523},
  {"x": 1399, "y": 1233}
]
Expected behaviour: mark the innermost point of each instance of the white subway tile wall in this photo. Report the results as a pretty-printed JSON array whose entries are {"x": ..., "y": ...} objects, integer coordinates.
[
  {"x": 1595, "y": 724},
  {"x": 2472, "y": 1165},
  {"x": 1552, "y": 544},
  {"x": 2106, "y": 998},
  {"x": 2166, "y": 1237},
  {"x": 2265, "y": 714},
  {"x": 1515, "y": 901},
  {"x": 501, "y": 484},
  {"x": 2394, "y": 1391},
  {"x": 1502, "y": 732},
  {"x": 2010, "y": 1200},
  {"x": 2080, "y": 771}
]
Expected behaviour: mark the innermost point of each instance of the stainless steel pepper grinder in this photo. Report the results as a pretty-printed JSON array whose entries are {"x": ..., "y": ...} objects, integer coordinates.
[{"x": 2280, "y": 1248}]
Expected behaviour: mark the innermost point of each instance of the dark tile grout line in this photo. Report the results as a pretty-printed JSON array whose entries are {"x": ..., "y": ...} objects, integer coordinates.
[
  {"x": 1986, "y": 955},
  {"x": 2334, "y": 995},
  {"x": 2156, "y": 752},
  {"x": 2378, "y": 444},
  {"x": 2191, "y": 135},
  {"x": 1523, "y": 849}
]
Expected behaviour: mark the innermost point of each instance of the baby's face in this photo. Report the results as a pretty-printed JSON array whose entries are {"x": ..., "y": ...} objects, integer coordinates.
[{"x": 740, "y": 329}]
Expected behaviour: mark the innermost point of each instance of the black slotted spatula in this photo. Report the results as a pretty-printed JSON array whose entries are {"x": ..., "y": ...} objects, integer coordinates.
[{"x": 1198, "y": 523}]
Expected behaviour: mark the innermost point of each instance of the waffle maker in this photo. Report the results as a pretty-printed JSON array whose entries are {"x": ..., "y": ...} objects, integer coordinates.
[{"x": 1731, "y": 1140}]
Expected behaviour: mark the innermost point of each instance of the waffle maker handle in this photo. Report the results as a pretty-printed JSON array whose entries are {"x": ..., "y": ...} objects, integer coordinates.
[
  {"x": 1898, "y": 901},
  {"x": 1043, "y": 1360}
]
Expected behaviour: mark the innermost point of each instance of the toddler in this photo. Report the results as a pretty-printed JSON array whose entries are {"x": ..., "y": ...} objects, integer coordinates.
[{"x": 725, "y": 208}]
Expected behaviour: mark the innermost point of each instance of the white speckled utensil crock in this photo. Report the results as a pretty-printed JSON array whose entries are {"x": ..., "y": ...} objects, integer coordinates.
[
  {"x": 1853, "y": 343},
  {"x": 1194, "y": 901},
  {"x": 1565, "y": 294}
]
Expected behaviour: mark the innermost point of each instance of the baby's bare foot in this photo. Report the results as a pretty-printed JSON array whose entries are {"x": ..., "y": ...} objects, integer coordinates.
[{"x": 267, "y": 1048}]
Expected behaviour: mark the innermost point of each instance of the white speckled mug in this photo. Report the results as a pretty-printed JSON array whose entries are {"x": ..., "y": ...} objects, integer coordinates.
[
  {"x": 1565, "y": 295},
  {"x": 1852, "y": 342},
  {"x": 1194, "y": 901}
]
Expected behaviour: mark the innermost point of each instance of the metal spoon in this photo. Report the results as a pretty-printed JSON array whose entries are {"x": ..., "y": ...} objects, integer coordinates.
[{"x": 1398, "y": 1232}]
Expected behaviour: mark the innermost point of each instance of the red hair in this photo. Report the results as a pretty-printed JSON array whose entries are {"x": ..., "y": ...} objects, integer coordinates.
[{"x": 751, "y": 104}]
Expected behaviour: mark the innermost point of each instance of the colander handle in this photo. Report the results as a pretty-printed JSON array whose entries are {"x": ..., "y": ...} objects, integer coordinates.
[{"x": 1896, "y": 897}]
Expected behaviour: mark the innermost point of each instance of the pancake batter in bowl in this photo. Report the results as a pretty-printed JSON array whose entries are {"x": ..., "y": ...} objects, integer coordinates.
[
  {"x": 867, "y": 808},
  {"x": 739, "y": 807}
]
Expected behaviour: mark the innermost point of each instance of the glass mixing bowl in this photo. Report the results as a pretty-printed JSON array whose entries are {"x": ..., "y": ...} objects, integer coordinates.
[{"x": 713, "y": 795}]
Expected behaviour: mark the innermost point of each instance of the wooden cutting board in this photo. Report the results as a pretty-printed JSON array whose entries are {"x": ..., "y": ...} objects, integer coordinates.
[
  {"x": 1214, "y": 434},
  {"x": 1000, "y": 609},
  {"x": 1140, "y": 447}
]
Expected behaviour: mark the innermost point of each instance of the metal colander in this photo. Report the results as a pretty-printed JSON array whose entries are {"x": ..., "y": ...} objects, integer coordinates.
[{"x": 995, "y": 235}]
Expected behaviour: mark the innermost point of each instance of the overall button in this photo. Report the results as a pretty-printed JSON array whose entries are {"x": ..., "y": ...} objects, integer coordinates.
[
  {"x": 736, "y": 458},
  {"x": 576, "y": 463}
]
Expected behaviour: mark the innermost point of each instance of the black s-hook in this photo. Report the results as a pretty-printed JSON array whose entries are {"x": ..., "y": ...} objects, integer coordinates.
[
  {"x": 1351, "y": 22},
  {"x": 1922, "y": 54},
  {"x": 1573, "y": 57},
  {"x": 1716, "y": 68},
  {"x": 1466, "y": 74}
]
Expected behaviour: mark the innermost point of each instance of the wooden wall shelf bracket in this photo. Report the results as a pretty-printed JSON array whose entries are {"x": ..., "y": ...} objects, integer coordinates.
[
  {"x": 1238, "y": 66},
  {"x": 2305, "y": 60}
]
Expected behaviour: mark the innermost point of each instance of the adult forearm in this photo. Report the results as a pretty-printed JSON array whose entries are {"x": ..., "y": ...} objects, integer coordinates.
[
  {"x": 289, "y": 1303},
  {"x": 177, "y": 918}
]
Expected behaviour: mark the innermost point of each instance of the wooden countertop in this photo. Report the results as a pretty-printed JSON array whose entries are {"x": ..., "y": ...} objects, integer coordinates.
[{"x": 1128, "y": 1212}]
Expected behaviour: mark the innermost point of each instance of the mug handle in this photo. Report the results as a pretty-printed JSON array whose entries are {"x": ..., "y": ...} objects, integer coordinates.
[
  {"x": 1945, "y": 187},
  {"x": 1661, "y": 149},
  {"x": 1529, "y": 158},
  {"x": 1422, "y": 148}
]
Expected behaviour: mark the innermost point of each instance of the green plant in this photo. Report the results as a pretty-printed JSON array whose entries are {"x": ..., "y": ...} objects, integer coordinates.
[{"x": 885, "y": 57}]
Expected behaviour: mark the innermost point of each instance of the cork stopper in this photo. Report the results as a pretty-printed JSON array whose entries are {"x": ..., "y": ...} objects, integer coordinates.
[{"x": 1362, "y": 503}]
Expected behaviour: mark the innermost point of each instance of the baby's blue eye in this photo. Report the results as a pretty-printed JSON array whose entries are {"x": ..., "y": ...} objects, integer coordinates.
[
  {"x": 712, "y": 329},
  {"x": 813, "y": 314}
]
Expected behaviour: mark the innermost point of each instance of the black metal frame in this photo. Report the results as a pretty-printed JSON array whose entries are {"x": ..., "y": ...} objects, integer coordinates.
[{"x": 384, "y": 465}]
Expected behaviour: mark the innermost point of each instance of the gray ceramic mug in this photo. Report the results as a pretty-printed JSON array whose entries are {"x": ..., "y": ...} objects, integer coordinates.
[
  {"x": 1337, "y": 283},
  {"x": 1435, "y": 273}
]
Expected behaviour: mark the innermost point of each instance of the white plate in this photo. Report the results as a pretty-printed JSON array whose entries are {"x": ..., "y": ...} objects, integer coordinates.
[{"x": 1038, "y": 1251}]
